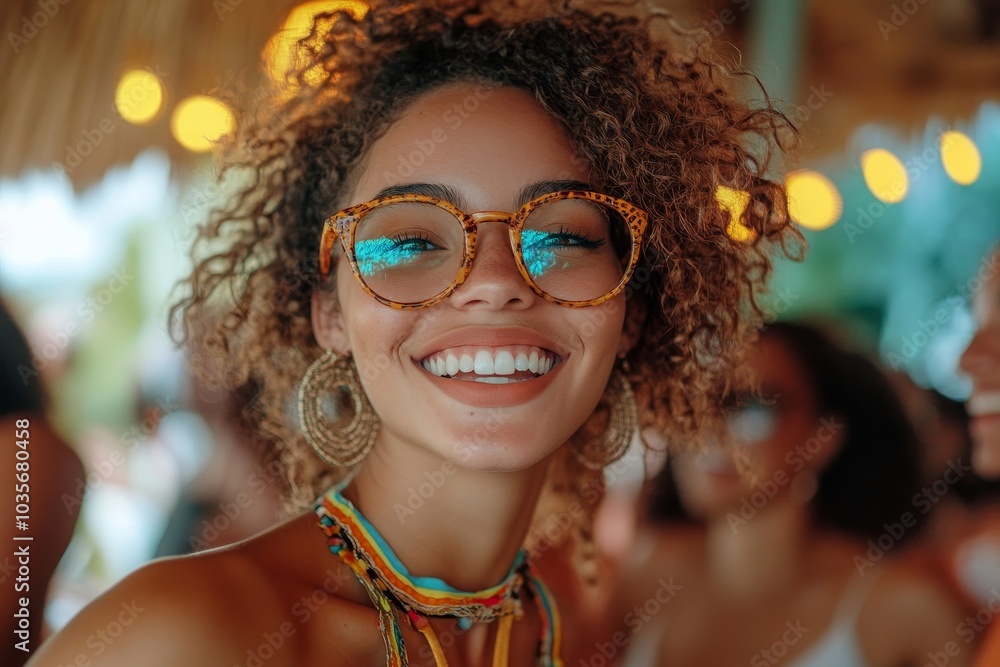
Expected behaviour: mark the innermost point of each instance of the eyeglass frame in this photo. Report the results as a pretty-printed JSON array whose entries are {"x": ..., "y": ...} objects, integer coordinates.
[{"x": 344, "y": 223}]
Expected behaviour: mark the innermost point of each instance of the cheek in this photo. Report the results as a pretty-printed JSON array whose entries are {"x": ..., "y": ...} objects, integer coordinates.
[{"x": 600, "y": 327}]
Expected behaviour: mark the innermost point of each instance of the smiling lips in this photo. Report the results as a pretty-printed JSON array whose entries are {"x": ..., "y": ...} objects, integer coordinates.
[{"x": 491, "y": 365}]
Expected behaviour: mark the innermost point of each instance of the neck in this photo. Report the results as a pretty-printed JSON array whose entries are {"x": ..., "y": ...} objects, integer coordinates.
[
  {"x": 441, "y": 520},
  {"x": 763, "y": 554}
]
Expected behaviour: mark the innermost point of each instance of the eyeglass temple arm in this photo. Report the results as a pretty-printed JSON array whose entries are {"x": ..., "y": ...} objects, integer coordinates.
[{"x": 329, "y": 238}]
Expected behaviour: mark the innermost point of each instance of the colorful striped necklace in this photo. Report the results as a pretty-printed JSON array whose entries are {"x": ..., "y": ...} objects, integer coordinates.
[{"x": 389, "y": 584}]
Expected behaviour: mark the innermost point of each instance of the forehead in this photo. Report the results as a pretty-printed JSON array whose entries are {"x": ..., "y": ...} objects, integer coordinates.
[
  {"x": 482, "y": 140},
  {"x": 777, "y": 365}
]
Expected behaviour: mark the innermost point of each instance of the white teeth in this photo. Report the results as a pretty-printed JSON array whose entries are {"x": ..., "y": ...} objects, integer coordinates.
[
  {"x": 490, "y": 362},
  {"x": 521, "y": 361},
  {"x": 467, "y": 364},
  {"x": 493, "y": 379},
  {"x": 503, "y": 363},
  {"x": 484, "y": 363}
]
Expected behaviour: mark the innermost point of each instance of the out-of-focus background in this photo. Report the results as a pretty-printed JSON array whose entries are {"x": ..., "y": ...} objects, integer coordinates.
[{"x": 108, "y": 110}]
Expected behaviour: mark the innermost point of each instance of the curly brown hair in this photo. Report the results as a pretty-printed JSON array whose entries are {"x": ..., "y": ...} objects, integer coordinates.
[{"x": 646, "y": 104}]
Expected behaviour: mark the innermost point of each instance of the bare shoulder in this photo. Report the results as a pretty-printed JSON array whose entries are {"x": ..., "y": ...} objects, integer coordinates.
[
  {"x": 908, "y": 590},
  {"x": 911, "y": 612},
  {"x": 661, "y": 557},
  {"x": 261, "y": 598},
  {"x": 192, "y": 610}
]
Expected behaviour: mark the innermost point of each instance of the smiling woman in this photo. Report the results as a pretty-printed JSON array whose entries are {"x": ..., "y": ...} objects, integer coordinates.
[{"x": 520, "y": 226}]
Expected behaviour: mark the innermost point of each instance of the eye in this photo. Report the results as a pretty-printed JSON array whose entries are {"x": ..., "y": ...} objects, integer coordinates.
[
  {"x": 413, "y": 242},
  {"x": 565, "y": 237}
]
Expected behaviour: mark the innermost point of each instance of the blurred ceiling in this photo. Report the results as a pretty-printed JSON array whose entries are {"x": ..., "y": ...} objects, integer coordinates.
[
  {"x": 899, "y": 62},
  {"x": 62, "y": 66}
]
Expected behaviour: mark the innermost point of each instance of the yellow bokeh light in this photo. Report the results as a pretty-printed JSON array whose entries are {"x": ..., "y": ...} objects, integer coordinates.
[
  {"x": 813, "y": 200},
  {"x": 283, "y": 54},
  {"x": 139, "y": 96},
  {"x": 200, "y": 120},
  {"x": 960, "y": 157},
  {"x": 884, "y": 175},
  {"x": 735, "y": 203}
]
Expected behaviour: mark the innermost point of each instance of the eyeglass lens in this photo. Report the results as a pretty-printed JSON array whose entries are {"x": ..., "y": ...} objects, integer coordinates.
[{"x": 573, "y": 249}]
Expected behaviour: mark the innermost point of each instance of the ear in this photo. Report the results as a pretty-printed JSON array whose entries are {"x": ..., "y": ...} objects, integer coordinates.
[
  {"x": 635, "y": 317},
  {"x": 328, "y": 322}
]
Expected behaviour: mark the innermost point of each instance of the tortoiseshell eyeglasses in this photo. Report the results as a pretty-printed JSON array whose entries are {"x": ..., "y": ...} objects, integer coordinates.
[{"x": 574, "y": 248}]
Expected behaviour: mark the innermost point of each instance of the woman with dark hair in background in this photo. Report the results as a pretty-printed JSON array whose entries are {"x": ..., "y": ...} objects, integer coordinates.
[
  {"x": 780, "y": 534},
  {"x": 42, "y": 468}
]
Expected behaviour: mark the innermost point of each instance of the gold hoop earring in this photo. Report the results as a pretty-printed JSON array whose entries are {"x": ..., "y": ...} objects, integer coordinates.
[
  {"x": 320, "y": 410},
  {"x": 623, "y": 419}
]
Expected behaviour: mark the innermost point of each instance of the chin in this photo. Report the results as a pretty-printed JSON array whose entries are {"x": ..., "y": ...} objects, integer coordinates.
[{"x": 507, "y": 455}]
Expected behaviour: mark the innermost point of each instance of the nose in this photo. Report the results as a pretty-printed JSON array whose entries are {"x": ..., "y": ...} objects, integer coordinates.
[{"x": 494, "y": 281}]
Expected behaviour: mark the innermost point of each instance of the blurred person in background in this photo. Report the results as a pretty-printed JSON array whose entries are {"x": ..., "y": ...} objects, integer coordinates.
[
  {"x": 39, "y": 469},
  {"x": 227, "y": 494},
  {"x": 962, "y": 537},
  {"x": 781, "y": 545},
  {"x": 981, "y": 362}
]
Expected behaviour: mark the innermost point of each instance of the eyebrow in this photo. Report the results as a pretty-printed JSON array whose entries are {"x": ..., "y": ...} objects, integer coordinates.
[
  {"x": 430, "y": 189},
  {"x": 540, "y": 188},
  {"x": 448, "y": 193}
]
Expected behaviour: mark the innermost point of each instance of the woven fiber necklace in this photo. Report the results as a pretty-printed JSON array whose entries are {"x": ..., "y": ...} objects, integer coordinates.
[{"x": 391, "y": 587}]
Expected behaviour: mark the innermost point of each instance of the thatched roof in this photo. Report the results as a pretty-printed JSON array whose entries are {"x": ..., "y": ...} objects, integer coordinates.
[
  {"x": 60, "y": 71},
  {"x": 58, "y": 80}
]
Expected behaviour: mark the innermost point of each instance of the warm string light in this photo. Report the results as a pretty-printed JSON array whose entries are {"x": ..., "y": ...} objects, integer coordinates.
[
  {"x": 139, "y": 96},
  {"x": 960, "y": 157},
  {"x": 735, "y": 202},
  {"x": 199, "y": 121},
  {"x": 884, "y": 175},
  {"x": 813, "y": 200}
]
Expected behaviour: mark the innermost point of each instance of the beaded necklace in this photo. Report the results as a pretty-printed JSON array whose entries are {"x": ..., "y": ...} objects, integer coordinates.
[{"x": 391, "y": 587}]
